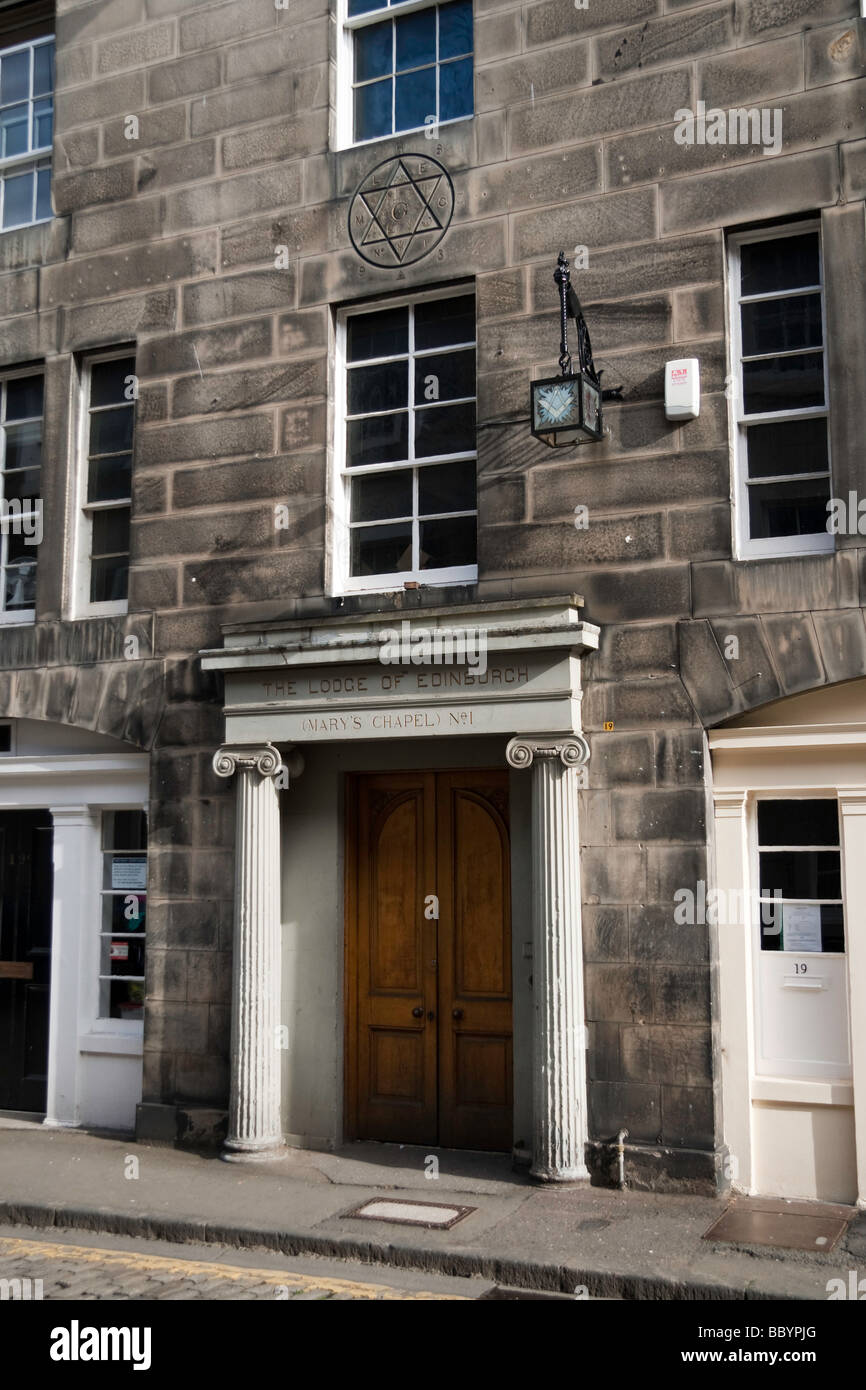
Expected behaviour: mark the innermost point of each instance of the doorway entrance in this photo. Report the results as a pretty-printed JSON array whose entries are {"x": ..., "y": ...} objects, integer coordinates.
[
  {"x": 429, "y": 998},
  {"x": 26, "y": 880}
]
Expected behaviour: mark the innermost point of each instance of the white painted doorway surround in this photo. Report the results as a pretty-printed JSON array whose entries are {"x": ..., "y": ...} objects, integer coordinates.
[
  {"x": 94, "y": 1064},
  {"x": 795, "y": 1126}
]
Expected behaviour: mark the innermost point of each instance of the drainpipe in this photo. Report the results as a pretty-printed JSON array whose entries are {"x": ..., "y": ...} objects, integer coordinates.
[{"x": 620, "y": 1149}]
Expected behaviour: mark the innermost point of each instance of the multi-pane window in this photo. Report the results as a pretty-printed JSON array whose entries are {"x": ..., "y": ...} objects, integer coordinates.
[
  {"x": 780, "y": 392},
  {"x": 410, "y": 70},
  {"x": 406, "y": 506},
  {"x": 21, "y": 503},
  {"x": 124, "y": 909},
  {"x": 26, "y": 125},
  {"x": 109, "y": 426},
  {"x": 800, "y": 867}
]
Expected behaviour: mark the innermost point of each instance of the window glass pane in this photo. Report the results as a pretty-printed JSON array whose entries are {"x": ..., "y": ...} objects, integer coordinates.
[
  {"x": 441, "y": 322},
  {"x": 20, "y": 585},
  {"x": 447, "y": 543},
  {"x": 43, "y": 69},
  {"x": 801, "y": 873},
  {"x": 782, "y": 263},
  {"x": 445, "y": 429},
  {"x": 788, "y": 509},
  {"x": 374, "y": 51},
  {"x": 449, "y": 487},
  {"x": 415, "y": 98},
  {"x": 111, "y": 531},
  {"x": 124, "y": 830},
  {"x": 24, "y": 445},
  {"x": 43, "y": 116},
  {"x": 787, "y": 446},
  {"x": 109, "y": 579},
  {"x": 373, "y": 110},
  {"x": 18, "y": 200},
  {"x": 444, "y": 377},
  {"x": 781, "y": 325},
  {"x": 381, "y": 495},
  {"x": 121, "y": 999},
  {"x": 773, "y": 926},
  {"x": 812, "y": 821},
  {"x": 111, "y": 430},
  {"x": 382, "y": 549},
  {"x": 24, "y": 397},
  {"x": 455, "y": 29},
  {"x": 416, "y": 41},
  {"x": 365, "y": 6},
  {"x": 379, "y": 439},
  {"x": 783, "y": 383},
  {"x": 455, "y": 90},
  {"x": 23, "y": 484},
  {"x": 377, "y": 335},
  {"x": 14, "y": 123},
  {"x": 44, "y": 209},
  {"x": 123, "y": 956},
  {"x": 20, "y": 542},
  {"x": 383, "y": 387},
  {"x": 108, "y": 380},
  {"x": 15, "y": 77},
  {"x": 109, "y": 478}
]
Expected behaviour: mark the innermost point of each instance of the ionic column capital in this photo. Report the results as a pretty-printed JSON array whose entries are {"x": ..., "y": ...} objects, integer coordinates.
[
  {"x": 571, "y": 749},
  {"x": 263, "y": 758}
]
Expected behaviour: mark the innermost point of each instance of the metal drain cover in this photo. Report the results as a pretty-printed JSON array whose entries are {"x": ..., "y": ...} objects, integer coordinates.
[
  {"x": 430, "y": 1214},
  {"x": 790, "y": 1225}
]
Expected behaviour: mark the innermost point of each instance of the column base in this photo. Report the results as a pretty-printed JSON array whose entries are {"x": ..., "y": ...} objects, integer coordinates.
[
  {"x": 253, "y": 1151},
  {"x": 578, "y": 1174}
]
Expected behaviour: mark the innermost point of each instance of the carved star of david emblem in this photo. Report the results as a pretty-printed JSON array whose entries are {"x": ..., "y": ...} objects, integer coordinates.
[{"x": 401, "y": 210}]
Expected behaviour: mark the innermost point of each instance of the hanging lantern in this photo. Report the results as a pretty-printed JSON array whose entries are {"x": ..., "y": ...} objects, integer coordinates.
[{"x": 566, "y": 409}]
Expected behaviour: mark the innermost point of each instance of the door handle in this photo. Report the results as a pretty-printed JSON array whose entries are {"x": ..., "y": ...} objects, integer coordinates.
[
  {"x": 418, "y": 1012},
  {"x": 456, "y": 1013},
  {"x": 431, "y": 1014}
]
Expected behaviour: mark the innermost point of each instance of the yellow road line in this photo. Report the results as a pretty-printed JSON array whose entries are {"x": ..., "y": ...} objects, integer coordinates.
[{"x": 163, "y": 1264}]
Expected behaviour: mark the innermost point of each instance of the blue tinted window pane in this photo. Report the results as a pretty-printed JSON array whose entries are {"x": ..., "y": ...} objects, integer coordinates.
[
  {"x": 365, "y": 6},
  {"x": 455, "y": 89},
  {"x": 416, "y": 41},
  {"x": 43, "y": 70},
  {"x": 43, "y": 122},
  {"x": 416, "y": 98},
  {"x": 43, "y": 195},
  {"x": 373, "y": 110},
  {"x": 373, "y": 51},
  {"x": 455, "y": 29},
  {"x": 15, "y": 77},
  {"x": 14, "y": 122},
  {"x": 18, "y": 200}
]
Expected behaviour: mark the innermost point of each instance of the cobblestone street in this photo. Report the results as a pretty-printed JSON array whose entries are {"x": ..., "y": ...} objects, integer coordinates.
[{"x": 105, "y": 1272}]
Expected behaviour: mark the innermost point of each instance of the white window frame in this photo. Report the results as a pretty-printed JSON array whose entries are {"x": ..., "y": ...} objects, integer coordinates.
[
  {"x": 345, "y": 77},
  {"x": 746, "y": 548},
  {"x": 83, "y": 531},
  {"x": 37, "y": 158},
  {"x": 19, "y": 616},
  {"x": 341, "y": 581},
  {"x": 99, "y": 1022}
]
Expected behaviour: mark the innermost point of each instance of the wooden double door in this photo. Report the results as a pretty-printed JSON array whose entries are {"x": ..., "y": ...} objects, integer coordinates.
[
  {"x": 429, "y": 1027},
  {"x": 26, "y": 880}
]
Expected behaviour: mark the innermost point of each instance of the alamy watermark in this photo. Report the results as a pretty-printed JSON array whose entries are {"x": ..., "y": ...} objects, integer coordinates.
[
  {"x": 742, "y": 125},
  {"x": 727, "y": 907},
  {"x": 442, "y": 646},
  {"x": 22, "y": 517}
]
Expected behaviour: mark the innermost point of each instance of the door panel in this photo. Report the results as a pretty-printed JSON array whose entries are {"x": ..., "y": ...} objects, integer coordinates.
[
  {"x": 474, "y": 961},
  {"x": 26, "y": 874},
  {"x": 395, "y": 947},
  {"x": 429, "y": 1037}
]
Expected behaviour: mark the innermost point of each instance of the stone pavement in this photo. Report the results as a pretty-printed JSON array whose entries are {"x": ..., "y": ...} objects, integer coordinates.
[{"x": 610, "y": 1243}]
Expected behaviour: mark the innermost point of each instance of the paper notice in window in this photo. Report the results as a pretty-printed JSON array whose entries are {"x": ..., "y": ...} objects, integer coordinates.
[
  {"x": 130, "y": 874},
  {"x": 801, "y": 928}
]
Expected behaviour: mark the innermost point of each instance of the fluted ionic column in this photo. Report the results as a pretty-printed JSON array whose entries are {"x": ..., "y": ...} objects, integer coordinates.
[
  {"x": 255, "y": 1129},
  {"x": 559, "y": 1061}
]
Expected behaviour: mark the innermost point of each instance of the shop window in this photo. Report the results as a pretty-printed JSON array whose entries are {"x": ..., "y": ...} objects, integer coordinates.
[
  {"x": 779, "y": 393},
  {"x": 26, "y": 131},
  {"x": 21, "y": 407},
  {"x": 108, "y": 426},
  {"x": 405, "y": 505},
  {"x": 403, "y": 68},
  {"x": 800, "y": 870},
  {"x": 123, "y": 915}
]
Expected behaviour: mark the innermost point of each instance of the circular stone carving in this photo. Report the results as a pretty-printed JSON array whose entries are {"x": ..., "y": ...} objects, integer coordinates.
[
  {"x": 401, "y": 210},
  {"x": 575, "y": 752}
]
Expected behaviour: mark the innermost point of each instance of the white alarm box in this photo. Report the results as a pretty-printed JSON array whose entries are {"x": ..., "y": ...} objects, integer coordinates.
[{"x": 683, "y": 389}]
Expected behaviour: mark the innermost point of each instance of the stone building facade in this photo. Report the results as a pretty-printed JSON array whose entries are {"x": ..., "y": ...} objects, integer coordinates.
[{"x": 231, "y": 202}]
